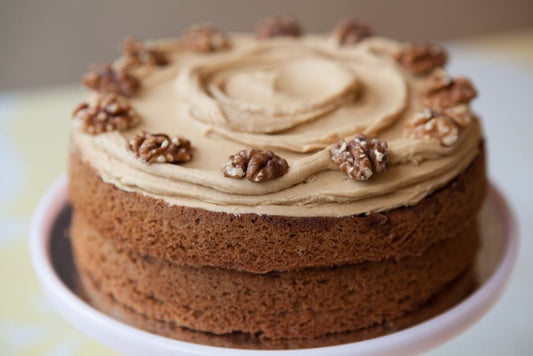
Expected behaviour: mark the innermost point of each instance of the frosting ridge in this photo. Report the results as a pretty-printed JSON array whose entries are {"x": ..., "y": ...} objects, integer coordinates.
[{"x": 297, "y": 97}]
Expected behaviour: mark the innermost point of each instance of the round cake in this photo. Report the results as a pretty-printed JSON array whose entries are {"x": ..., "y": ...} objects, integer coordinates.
[{"x": 276, "y": 189}]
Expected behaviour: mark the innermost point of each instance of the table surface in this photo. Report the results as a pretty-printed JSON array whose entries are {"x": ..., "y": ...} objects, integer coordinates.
[{"x": 33, "y": 152}]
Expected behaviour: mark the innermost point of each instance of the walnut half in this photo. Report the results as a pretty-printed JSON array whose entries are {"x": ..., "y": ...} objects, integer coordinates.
[
  {"x": 421, "y": 58},
  {"x": 361, "y": 157},
  {"x": 205, "y": 38},
  {"x": 106, "y": 79},
  {"x": 109, "y": 112},
  {"x": 255, "y": 165},
  {"x": 434, "y": 125},
  {"x": 278, "y": 26},
  {"x": 138, "y": 53},
  {"x": 441, "y": 91},
  {"x": 160, "y": 148},
  {"x": 348, "y": 32}
]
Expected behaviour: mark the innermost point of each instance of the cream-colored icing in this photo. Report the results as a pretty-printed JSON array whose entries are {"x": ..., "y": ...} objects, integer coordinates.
[{"x": 296, "y": 97}]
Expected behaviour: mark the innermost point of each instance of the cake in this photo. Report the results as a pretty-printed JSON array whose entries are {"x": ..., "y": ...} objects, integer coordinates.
[{"x": 276, "y": 189}]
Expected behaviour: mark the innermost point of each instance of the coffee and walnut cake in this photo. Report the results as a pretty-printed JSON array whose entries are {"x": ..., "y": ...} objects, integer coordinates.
[{"x": 276, "y": 190}]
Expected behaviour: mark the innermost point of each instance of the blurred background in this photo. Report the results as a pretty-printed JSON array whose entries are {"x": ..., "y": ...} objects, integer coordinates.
[
  {"x": 54, "y": 41},
  {"x": 46, "y": 45}
]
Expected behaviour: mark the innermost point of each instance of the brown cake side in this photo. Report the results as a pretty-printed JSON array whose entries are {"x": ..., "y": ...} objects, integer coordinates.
[
  {"x": 262, "y": 243},
  {"x": 298, "y": 304},
  {"x": 453, "y": 293}
]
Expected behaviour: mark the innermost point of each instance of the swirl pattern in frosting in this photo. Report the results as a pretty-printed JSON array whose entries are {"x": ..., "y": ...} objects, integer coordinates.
[{"x": 295, "y": 96}]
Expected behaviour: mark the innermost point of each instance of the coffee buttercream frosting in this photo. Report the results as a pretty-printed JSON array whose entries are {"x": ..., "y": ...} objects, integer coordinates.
[{"x": 295, "y": 97}]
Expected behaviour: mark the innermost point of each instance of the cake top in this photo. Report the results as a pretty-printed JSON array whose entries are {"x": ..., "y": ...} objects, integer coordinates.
[{"x": 279, "y": 123}]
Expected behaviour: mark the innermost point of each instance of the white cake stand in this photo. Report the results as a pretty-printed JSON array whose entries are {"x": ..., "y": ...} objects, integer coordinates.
[{"x": 495, "y": 262}]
